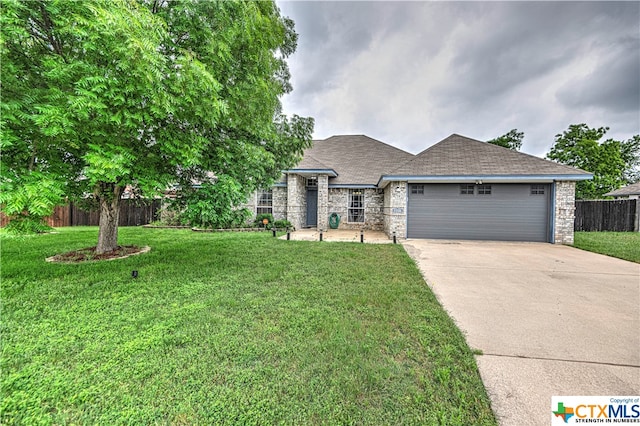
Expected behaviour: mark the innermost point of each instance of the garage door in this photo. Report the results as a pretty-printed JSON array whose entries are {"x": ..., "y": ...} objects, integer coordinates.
[{"x": 503, "y": 212}]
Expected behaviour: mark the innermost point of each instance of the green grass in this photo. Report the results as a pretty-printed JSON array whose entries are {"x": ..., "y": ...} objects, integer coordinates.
[
  {"x": 624, "y": 245},
  {"x": 228, "y": 329}
]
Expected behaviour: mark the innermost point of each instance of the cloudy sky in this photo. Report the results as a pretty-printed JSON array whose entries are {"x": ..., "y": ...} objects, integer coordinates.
[{"x": 412, "y": 73}]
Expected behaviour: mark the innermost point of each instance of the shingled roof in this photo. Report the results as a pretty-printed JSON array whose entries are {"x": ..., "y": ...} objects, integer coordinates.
[
  {"x": 461, "y": 156},
  {"x": 633, "y": 189},
  {"x": 361, "y": 160},
  {"x": 357, "y": 159}
]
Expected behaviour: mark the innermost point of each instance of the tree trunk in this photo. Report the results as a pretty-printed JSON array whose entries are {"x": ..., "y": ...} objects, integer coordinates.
[{"x": 109, "y": 217}]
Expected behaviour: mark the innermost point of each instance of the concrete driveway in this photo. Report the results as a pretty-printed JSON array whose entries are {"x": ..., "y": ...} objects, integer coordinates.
[{"x": 549, "y": 319}]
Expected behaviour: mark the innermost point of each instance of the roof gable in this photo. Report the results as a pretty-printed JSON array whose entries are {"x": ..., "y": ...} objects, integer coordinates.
[
  {"x": 461, "y": 156},
  {"x": 357, "y": 159}
]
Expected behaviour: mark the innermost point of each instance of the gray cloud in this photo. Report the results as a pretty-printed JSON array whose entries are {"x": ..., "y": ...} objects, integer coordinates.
[
  {"x": 412, "y": 73},
  {"x": 613, "y": 84}
]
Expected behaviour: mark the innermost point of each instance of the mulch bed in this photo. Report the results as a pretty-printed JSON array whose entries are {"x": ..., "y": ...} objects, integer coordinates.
[{"x": 88, "y": 254}]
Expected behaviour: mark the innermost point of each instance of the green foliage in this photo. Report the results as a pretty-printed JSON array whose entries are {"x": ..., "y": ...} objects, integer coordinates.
[
  {"x": 259, "y": 220},
  {"x": 27, "y": 199},
  {"x": 282, "y": 224},
  {"x": 102, "y": 94},
  {"x": 512, "y": 140},
  {"x": 213, "y": 204},
  {"x": 229, "y": 328},
  {"x": 611, "y": 161},
  {"x": 25, "y": 225}
]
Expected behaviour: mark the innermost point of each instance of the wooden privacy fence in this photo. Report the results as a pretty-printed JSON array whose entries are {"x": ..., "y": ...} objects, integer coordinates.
[
  {"x": 607, "y": 215},
  {"x": 132, "y": 213}
]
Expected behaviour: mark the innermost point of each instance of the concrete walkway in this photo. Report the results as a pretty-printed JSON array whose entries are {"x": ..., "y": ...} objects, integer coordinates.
[
  {"x": 550, "y": 320},
  {"x": 339, "y": 235}
]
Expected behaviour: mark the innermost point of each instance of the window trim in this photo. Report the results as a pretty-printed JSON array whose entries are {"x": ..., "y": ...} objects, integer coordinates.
[
  {"x": 264, "y": 208},
  {"x": 537, "y": 189},
  {"x": 350, "y": 201}
]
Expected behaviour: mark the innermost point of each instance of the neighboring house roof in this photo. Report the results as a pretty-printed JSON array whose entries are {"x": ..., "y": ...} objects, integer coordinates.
[
  {"x": 458, "y": 157},
  {"x": 633, "y": 189},
  {"x": 356, "y": 159}
]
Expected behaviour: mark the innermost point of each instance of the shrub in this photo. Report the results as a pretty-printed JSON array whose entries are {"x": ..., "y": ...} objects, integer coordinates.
[
  {"x": 27, "y": 225},
  {"x": 282, "y": 224},
  {"x": 258, "y": 221},
  {"x": 213, "y": 205}
]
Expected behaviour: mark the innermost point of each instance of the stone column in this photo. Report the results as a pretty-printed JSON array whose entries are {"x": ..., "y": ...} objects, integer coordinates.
[
  {"x": 295, "y": 200},
  {"x": 395, "y": 209},
  {"x": 323, "y": 202},
  {"x": 564, "y": 214}
]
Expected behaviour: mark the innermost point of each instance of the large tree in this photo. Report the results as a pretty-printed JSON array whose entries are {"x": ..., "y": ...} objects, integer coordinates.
[
  {"x": 101, "y": 94},
  {"x": 613, "y": 163},
  {"x": 512, "y": 140}
]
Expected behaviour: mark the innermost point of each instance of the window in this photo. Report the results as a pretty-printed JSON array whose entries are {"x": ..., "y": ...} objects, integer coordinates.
[
  {"x": 356, "y": 205},
  {"x": 312, "y": 182},
  {"x": 484, "y": 189},
  {"x": 537, "y": 189},
  {"x": 417, "y": 189},
  {"x": 265, "y": 202},
  {"x": 466, "y": 189}
]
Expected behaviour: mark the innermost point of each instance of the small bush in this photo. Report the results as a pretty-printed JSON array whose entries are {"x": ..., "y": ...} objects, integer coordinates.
[
  {"x": 24, "y": 225},
  {"x": 261, "y": 217},
  {"x": 282, "y": 224}
]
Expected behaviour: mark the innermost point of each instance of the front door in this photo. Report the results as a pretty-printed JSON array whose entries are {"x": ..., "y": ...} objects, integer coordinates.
[{"x": 312, "y": 207}]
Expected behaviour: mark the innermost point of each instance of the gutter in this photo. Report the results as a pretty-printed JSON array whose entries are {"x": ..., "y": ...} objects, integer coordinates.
[{"x": 385, "y": 179}]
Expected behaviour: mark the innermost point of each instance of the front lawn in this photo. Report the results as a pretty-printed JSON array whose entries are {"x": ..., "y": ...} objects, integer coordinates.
[
  {"x": 624, "y": 245},
  {"x": 228, "y": 329}
]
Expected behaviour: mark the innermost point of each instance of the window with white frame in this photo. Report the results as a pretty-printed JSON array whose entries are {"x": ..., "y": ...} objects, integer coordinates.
[
  {"x": 264, "y": 202},
  {"x": 356, "y": 205}
]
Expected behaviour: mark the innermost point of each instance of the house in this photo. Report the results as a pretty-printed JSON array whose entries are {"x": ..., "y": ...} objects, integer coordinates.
[
  {"x": 631, "y": 192},
  {"x": 459, "y": 188}
]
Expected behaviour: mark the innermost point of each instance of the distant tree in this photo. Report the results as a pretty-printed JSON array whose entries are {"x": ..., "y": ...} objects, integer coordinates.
[
  {"x": 611, "y": 162},
  {"x": 101, "y": 94},
  {"x": 512, "y": 140}
]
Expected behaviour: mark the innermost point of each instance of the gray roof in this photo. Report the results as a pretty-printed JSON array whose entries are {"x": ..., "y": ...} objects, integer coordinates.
[
  {"x": 357, "y": 159},
  {"x": 461, "y": 156},
  {"x": 633, "y": 189}
]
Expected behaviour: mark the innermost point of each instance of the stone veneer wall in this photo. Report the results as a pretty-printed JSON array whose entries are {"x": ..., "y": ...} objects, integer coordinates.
[
  {"x": 323, "y": 206},
  {"x": 395, "y": 209},
  {"x": 564, "y": 215},
  {"x": 279, "y": 198},
  {"x": 296, "y": 201},
  {"x": 373, "y": 204},
  {"x": 279, "y": 202}
]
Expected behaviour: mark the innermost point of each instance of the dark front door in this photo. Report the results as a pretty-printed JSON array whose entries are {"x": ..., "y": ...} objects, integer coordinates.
[{"x": 312, "y": 207}]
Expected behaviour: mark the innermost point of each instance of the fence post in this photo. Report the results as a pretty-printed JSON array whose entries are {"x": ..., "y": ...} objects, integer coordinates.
[{"x": 636, "y": 223}]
